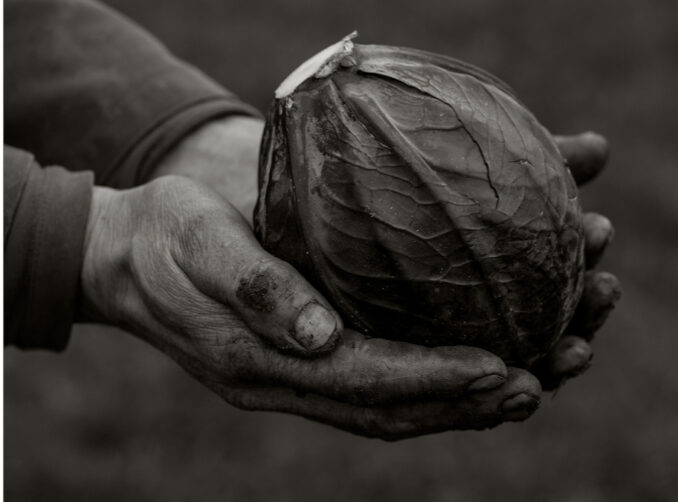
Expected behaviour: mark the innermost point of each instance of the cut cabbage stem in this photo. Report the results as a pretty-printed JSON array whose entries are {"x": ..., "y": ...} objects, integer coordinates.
[{"x": 319, "y": 66}]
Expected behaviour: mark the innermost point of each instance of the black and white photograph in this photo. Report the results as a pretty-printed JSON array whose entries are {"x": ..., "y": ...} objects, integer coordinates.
[{"x": 358, "y": 251}]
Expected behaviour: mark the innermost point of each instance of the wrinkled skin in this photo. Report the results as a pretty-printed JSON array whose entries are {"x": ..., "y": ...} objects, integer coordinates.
[{"x": 167, "y": 260}]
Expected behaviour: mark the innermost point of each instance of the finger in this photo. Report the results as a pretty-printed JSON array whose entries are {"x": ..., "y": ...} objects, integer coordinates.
[
  {"x": 571, "y": 356},
  {"x": 374, "y": 371},
  {"x": 516, "y": 400},
  {"x": 601, "y": 293},
  {"x": 598, "y": 233},
  {"x": 224, "y": 261},
  {"x": 585, "y": 154}
]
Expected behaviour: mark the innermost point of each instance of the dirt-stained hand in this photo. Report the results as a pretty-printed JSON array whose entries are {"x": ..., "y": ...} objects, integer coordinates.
[{"x": 172, "y": 262}]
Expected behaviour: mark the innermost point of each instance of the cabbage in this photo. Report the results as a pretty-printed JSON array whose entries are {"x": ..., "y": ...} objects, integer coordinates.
[{"x": 424, "y": 199}]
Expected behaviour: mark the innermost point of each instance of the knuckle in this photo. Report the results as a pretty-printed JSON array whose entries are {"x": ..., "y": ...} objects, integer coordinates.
[
  {"x": 261, "y": 285},
  {"x": 260, "y": 267},
  {"x": 187, "y": 210}
]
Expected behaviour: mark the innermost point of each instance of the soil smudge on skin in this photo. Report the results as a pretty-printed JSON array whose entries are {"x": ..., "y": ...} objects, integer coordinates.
[{"x": 256, "y": 292}]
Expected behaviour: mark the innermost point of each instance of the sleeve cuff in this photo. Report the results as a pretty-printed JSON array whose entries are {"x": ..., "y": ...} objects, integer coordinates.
[
  {"x": 44, "y": 253},
  {"x": 150, "y": 147}
]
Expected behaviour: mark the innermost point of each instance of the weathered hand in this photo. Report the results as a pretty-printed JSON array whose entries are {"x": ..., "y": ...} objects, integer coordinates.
[
  {"x": 172, "y": 262},
  {"x": 223, "y": 155},
  {"x": 586, "y": 154},
  {"x": 172, "y": 253}
]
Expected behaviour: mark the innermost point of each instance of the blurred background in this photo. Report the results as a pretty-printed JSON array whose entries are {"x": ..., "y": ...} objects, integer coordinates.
[{"x": 113, "y": 419}]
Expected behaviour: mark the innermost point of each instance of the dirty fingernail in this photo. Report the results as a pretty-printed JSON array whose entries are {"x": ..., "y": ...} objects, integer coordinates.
[
  {"x": 571, "y": 356},
  {"x": 519, "y": 406},
  {"x": 314, "y": 326},
  {"x": 487, "y": 382}
]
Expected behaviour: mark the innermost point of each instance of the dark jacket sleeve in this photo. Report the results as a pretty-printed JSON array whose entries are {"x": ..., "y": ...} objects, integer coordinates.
[
  {"x": 86, "y": 89},
  {"x": 45, "y": 217}
]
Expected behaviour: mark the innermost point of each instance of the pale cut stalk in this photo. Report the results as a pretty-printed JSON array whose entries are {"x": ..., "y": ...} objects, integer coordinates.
[{"x": 319, "y": 66}]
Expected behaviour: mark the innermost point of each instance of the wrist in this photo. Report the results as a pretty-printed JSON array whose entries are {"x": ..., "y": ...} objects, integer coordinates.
[
  {"x": 105, "y": 251},
  {"x": 222, "y": 154}
]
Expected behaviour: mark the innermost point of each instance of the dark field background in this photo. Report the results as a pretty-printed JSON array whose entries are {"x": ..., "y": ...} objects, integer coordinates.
[{"x": 112, "y": 419}]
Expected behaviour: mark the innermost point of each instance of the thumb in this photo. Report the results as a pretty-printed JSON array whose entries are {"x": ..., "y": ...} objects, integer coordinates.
[
  {"x": 224, "y": 260},
  {"x": 281, "y": 306}
]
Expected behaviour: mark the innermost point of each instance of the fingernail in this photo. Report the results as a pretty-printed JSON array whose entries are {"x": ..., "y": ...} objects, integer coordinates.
[
  {"x": 608, "y": 286},
  {"x": 519, "y": 407},
  {"x": 571, "y": 356},
  {"x": 314, "y": 326},
  {"x": 487, "y": 382}
]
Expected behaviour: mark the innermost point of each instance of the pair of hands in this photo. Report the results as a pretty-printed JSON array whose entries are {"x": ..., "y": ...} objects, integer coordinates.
[{"x": 176, "y": 263}]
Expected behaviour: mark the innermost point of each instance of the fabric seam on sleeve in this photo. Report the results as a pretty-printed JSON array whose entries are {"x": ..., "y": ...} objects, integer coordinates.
[
  {"x": 231, "y": 107},
  {"x": 36, "y": 246},
  {"x": 28, "y": 160}
]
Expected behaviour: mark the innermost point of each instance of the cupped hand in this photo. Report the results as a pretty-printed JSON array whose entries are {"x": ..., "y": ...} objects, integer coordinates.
[
  {"x": 586, "y": 155},
  {"x": 172, "y": 262},
  {"x": 371, "y": 387}
]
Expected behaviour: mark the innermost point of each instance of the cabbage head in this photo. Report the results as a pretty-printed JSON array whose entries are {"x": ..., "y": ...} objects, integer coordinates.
[{"x": 424, "y": 199}]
